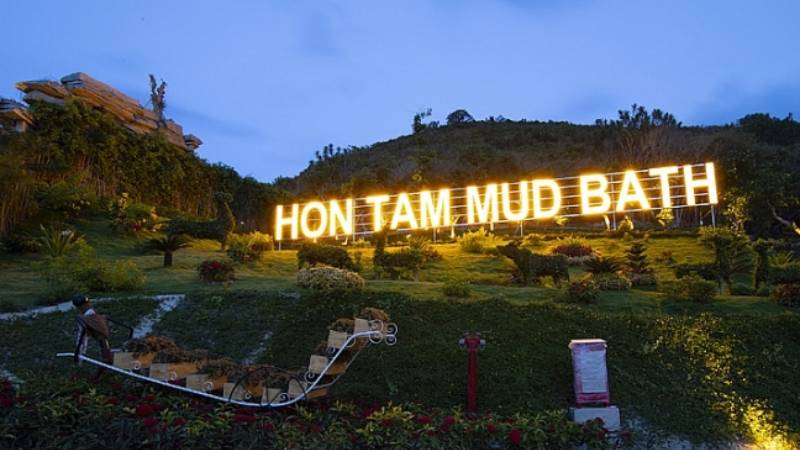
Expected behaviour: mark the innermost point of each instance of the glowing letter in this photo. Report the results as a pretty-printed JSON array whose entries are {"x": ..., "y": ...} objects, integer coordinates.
[
  {"x": 345, "y": 219},
  {"x": 403, "y": 213},
  {"x": 434, "y": 216},
  {"x": 599, "y": 192},
  {"x": 281, "y": 222},
  {"x": 489, "y": 204},
  {"x": 524, "y": 203},
  {"x": 625, "y": 194},
  {"x": 377, "y": 212},
  {"x": 710, "y": 182},
  {"x": 538, "y": 212},
  {"x": 664, "y": 173},
  {"x": 323, "y": 220}
]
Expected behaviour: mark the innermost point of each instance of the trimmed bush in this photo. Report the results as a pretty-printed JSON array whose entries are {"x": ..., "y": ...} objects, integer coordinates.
[
  {"x": 786, "y": 294},
  {"x": 705, "y": 271},
  {"x": 532, "y": 240},
  {"x": 329, "y": 278},
  {"x": 423, "y": 245},
  {"x": 691, "y": 288},
  {"x": 784, "y": 274},
  {"x": 742, "y": 289},
  {"x": 611, "y": 282},
  {"x": 216, "y": 271},
  {"x": 478, "y": 242},
  {"x": 457, "y": 289},
  {"x": 311, "y": 254},
  {"x": 584, "y": 292}
]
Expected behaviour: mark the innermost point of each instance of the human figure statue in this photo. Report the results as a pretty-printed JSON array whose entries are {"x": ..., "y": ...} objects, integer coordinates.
[
  {"x": 157, "y": 94},
  {"x": 91, "y": 324}
]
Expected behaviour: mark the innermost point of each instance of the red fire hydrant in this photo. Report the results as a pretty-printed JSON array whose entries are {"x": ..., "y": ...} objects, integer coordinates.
[{"x": 472, "y": 342}]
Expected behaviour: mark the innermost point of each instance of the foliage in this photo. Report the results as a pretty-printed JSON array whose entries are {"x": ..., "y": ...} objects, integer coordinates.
[
  {"x": 572, "y": 247},
  {"x": 786, "y": 294},
  {"x": 530, "y": 267},
  {"x": 602, "y": 265},
  {"x": 689, "y": 288},
  {"x": 761, "y": 271},
  {"x": 732, "y": 252},
  {"x": 532, "y": 240},
  {"x": 133, "y": 217},
  {"x": 665, "y": 217},
  {"x": 611, "y": 281},
  {"x": 787, "y": 273},
  {"x": 168, "y": 245},
  {"x": 742, "y": 289},
  {"x": 18, "y": 242},
  {"x": 636, "y": 259},
  {"x": 459, "y": 117},
  {"x": 642, "y": 279},
  {"x": 123, "y": 416},
  {"x": 122, "y": 276},
  {"x": 781, "y": 259},
  {"x": 706, "y": 271},
  {"x": 422, "y": 245},
  {"x": 478, "y": 241},
  {"x": 55, "y": 242},
  {"x": 310, "y": 254},
  {"x": 457, "y": 288},
  {"x": 149, "y": 344},
  {"x": 218, "y": 229},
  {"x": 329, "y": 278},
  {"x": 248, "y": 247},
  {"x": 625, "y": 225},
  {"x": 584, "y": 292},
  {"x": 216, "y": 271}
]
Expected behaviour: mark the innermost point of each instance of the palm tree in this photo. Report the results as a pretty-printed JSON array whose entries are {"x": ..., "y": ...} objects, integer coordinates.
[{"x": 168, "y": 245}]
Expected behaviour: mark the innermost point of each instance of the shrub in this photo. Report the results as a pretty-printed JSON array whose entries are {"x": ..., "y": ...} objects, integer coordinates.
[
  {"x": 311, "y": 254},
  {"x": 781, "y": 259},
  {"x": 405, "y": 263},
  {"x": 248, "y": 247},
  {"x": 733, "y": 253},
  {"x": 479, "y": 241},
  {"x": 457, "y": 289},
  {"x": 123, "y": 276},
  {"x": 705, "y": 271},
  {"x": 423, "y": 245},
  {"x": 742, "y": 289},
  {"x": 18, "y": 242},
  {"x": 786, "y": 294},
  {"x": 132, "y": 217},
  {"x": 572, "y": 247},
  {"x": 602, "y": 265},
  {"x": 625, "y": 225},
  {"x": 329, "y": 278},
  {"x": 643, "y": 279},
  {"x": 666, "y": 258},
  {"x": 611, "y": 281},
  {"x": 690, "y": 288},
  {"x": 584, "y": 292},
  {"x": 532, "y": 240},
  {"x": 215, "y": 271},
  {"x": 55, "y": 242},
  {"x": 783, "y": 274},
  {"x": 636, "y": 259},
  {"x": 763, "y": 291}
]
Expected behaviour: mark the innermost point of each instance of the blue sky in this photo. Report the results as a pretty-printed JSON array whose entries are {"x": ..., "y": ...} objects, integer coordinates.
[{"x": 265, "y": 84}]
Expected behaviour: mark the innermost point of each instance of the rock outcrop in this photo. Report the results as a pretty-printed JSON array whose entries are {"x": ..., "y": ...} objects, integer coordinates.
[{"x": 81, "y": 87}]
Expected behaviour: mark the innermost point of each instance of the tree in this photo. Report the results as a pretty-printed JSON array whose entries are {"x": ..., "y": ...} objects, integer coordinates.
[
  {"x": 732, "y": 253},
  {"x": 458, "y": 117},
  {"x": 636, "y": 259},
  {"x": 168, "y": 245}
]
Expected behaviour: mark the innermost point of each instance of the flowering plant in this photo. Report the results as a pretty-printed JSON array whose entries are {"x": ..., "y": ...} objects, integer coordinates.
[{"x": 214, "y": 270}]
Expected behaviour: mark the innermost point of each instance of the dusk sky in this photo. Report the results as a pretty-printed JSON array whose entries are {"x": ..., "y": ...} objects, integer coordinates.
[{"x": 265, "y": 85}]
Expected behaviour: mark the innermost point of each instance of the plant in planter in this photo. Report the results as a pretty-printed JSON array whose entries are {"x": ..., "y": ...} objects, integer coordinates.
[
  {"x": 212, "y": 374},
  {"x": 216, "y": 271},
  {"x": 176, "y": 363},
  {"x": 168, "y": 245},
  {"x": 138, "y": 353}
]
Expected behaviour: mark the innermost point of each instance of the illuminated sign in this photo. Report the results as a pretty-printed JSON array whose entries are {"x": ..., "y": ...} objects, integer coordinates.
[{"x": 524, "y": 200}]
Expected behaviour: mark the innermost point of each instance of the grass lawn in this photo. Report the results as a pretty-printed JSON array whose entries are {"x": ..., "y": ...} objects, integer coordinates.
[{"x": 706, "y": 372}]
